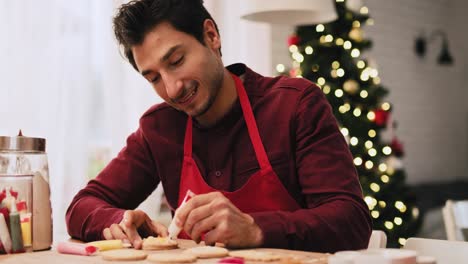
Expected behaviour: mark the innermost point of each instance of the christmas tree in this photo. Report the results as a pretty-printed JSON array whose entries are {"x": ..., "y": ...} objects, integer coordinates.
[{"x": 330, "y": 56}]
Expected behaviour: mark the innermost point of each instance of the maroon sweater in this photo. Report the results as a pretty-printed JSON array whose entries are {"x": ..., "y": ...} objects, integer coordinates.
[{"x": 302, "y": 140}]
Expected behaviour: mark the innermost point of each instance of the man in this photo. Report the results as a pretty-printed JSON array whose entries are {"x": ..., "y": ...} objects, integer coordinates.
[{"x": 264, "y": 155}]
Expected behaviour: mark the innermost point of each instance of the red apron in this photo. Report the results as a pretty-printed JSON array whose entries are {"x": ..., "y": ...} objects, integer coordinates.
[{"x": 262, "y": 192}]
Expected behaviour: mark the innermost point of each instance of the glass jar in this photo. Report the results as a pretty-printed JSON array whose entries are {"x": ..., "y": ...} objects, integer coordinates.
[{"x": 25, "y": 193}]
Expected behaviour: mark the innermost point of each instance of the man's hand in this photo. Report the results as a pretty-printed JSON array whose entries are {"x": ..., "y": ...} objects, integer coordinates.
[
  {"x": 133, "y": 222},
  {"x": 213, "y": 215}
]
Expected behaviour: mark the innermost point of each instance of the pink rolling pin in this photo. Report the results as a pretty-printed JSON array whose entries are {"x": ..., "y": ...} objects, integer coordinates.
[{"x": 76, "y": 249}]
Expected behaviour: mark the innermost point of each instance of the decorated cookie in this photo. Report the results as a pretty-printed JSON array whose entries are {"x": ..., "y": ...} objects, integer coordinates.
[{"x": 159, "y": 243}]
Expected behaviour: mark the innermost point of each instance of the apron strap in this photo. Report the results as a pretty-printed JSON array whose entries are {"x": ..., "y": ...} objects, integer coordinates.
[
  {"x": 249, "y": 117},
  {"x": 188, "y": 138}
]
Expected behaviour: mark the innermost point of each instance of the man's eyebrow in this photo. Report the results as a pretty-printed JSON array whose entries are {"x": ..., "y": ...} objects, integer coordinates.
[
  {"x": 164, "y": 58},
  {"x": 169, "y": 52},
  {"x": 145, "y": 72}
]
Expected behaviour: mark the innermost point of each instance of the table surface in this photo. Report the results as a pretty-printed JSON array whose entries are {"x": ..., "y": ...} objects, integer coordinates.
[{"x": 52, "y": 257}]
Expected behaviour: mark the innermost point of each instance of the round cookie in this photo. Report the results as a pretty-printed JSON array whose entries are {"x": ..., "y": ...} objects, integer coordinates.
[
  {"x": 254, "y": 255},
  {"x": 208, "y": 252},
  {"x": 172, "y": 258},
  {"x": 231, "y": 260},
  {"x": 159, "y": 243},
  {"x": 124, "y": 254}
]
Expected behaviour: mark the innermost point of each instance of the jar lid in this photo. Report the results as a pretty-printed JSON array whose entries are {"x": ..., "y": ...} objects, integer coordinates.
[{"x": 22, "y": 143}]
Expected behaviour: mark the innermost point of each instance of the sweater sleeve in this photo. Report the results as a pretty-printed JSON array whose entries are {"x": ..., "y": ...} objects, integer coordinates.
[
  {"x": 125, "y": 182},
  {"x": 335, "y": 216}
]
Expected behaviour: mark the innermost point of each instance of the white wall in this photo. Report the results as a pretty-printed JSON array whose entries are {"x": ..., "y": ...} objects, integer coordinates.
[
  {"x": 242, "y": 40},
  {"x": 429, "y": 100}
]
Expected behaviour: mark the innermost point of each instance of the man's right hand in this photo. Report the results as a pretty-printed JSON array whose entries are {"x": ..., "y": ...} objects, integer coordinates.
[{"x": 132, "y": 222}]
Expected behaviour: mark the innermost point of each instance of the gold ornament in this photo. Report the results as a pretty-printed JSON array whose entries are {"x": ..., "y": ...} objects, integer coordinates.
[
  {"x": 351, "y": 86},
  {"x": 356, "y": 34}
]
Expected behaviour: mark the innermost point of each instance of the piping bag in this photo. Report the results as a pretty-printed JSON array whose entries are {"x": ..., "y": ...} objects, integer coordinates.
[{"x": 173, "y": 229}]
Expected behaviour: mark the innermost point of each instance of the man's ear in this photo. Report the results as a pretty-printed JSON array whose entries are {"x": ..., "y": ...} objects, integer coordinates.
[{"x": 211, "y": 35}]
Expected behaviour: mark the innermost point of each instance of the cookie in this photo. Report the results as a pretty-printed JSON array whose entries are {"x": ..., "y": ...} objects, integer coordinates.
[
  {"x": 291, "y": 260},
  {"x": 172, "y": 258},
  {"x": 159, "y": 243},
  {"x": 254, "y": 255},
  {"x": 124, "y": 255},
  {"x": 208, "y": 252}
]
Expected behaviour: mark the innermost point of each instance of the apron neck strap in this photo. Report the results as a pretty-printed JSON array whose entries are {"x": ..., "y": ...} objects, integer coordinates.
[
  {"x": 249, "y": 117},
  {"x": 188, "y": 138}
]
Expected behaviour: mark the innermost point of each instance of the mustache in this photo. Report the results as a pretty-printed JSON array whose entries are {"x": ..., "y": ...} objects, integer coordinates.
[{"x": 187, "y": 89}]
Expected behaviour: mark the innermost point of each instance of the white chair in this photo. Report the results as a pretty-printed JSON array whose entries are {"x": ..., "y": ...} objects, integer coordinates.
[
  {"x": 455, "y": 214},
  {"x": 378, "y": 239},
  {"x": 445, "y": 252}
]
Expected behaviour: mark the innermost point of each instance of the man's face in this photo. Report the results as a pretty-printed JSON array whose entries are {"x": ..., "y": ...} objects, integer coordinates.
[{"x": 185, "y": 73}]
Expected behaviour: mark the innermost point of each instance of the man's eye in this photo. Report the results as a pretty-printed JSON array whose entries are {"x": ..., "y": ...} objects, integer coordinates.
[
  {"x": 155, "y": 79},
  {"x": 177, "y": 62}
]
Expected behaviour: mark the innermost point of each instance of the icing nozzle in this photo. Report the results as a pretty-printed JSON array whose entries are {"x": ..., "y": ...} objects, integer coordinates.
[{"x": 174, "y": 229}]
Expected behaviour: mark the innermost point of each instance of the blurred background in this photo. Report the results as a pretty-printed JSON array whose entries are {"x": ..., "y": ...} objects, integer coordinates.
[{"x": 62, "y": 78}]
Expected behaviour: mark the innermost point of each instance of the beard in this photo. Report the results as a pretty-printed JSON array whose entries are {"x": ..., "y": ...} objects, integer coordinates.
[{"x": 213, "y": 90}]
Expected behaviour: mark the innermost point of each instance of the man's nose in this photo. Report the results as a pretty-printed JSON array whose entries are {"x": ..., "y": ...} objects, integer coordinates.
[{"x": 174, "y": 87}]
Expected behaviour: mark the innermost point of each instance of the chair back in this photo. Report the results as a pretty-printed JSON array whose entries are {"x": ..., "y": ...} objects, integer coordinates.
[
  {"x": 378, "y": 239},
  {"x": 445, "y": 252},
  {"x": 455, "y": 215}
]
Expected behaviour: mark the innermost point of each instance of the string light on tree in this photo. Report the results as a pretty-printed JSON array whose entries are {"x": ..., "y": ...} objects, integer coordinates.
[
  {"x": 335, "y": 65},
  {"x": 293, "y": 48},
  {"x": 385, "y": 178},
  {"x": 363, "y": 94},
  {"x": 387, "y": 150},
  {"x": 357, "y": 112},
  {"x": 356, "y": 33},
  {"x": 321, "y": 81},
  {"x": 361, "y": 64},
  {"x": 375, "y": 187},
  {"x": 383, "y": 167},
  {"x": 339, "y": 93},
  {"x": 320, "y": 28},
  {"x": 358, "y": 161},
  {"x": 351, "y": 86},
  {"x": 375, "y": 214},
  {"x": 280, "y": 68},
  {"x": 339, "y": 42},
  {"x": 355, "y": 53},
  {"x": 347, "y": 45}
]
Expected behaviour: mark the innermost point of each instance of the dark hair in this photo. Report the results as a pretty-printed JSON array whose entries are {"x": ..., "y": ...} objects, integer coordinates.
[{"x": 138, "y": 17}]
